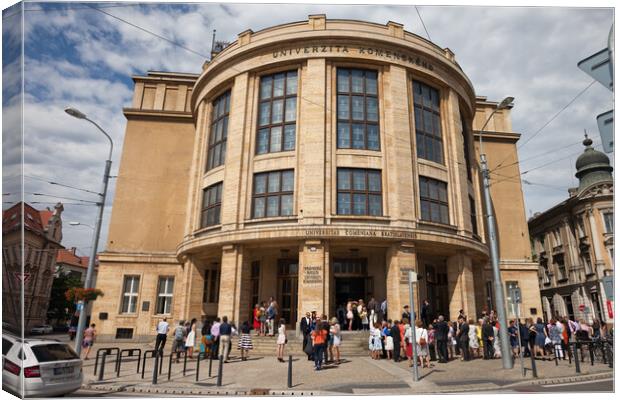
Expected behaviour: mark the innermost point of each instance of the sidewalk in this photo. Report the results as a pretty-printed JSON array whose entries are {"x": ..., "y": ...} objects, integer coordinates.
[{"x": 356, "y": 375}]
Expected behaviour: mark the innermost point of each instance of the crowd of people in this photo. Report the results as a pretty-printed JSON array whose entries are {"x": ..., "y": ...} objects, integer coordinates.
[{"x": 435, "y": 338}]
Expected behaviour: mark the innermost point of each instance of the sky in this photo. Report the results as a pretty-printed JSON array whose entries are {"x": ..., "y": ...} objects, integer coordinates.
[{"x": 80, "y": 57}]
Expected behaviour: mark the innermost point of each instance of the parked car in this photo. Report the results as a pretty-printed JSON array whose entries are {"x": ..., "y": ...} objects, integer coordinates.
[
  {"x": 47, "y": 367},
  {"x": 41, "y": 329}
]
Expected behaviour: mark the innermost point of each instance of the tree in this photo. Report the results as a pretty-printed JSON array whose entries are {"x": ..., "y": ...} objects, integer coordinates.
[{"x": 60, "y": 308}]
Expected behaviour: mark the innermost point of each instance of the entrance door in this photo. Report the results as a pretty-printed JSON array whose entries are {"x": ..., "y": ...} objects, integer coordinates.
[
  {"x": 350, "y": 289},
  {"x": 288, "y": 270},
  {"x": 569, "y": 307}
]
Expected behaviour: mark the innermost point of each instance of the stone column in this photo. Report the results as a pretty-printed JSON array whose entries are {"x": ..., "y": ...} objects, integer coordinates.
[
  {"x": 191, "y": 290},
  {"x": 595, "y": 241},
  {"x": 234, "y": 283},
  {"x": 313, "y": 281},
  {"x": 461, "y": 285},
  {"x": 400, "y": 258}
]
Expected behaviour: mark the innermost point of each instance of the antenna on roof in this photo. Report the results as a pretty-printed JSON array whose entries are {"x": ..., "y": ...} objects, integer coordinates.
[{"x": 213, "y": 44}]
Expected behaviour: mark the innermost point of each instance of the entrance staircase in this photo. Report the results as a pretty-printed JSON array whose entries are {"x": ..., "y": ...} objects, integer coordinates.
[{"x": 354, "y": 343}]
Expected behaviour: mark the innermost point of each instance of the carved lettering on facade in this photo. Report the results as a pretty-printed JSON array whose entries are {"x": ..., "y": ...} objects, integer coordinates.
[{"x": 312, "y": 275}]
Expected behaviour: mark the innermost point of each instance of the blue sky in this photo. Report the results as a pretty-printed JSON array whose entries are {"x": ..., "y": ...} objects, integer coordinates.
[{"x": 77, "y": 56}]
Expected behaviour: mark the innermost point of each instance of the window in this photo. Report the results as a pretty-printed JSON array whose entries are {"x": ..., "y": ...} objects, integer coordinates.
[
  {"x": 608, "y": 217},
  {"x": 277, "y": 113},
  {"x": 211, "y": 205},
  {"x": 434, "y": 200},
  {"x": 354, "y": 266},
  {"x": 357, "y": 109},
  {"x": 427, "y": 122},
  {"x": 465, "y": 133},
  {"x": 359, "y": 192},
  {"x": 581, "y": 231},
  {"x": 124, "y": 333},
  {"x": 273, "y": 194},
  {"x": 587, "y": 262},
  {"x": 544, "y": 271},
  {"x": 219, "y": 131},
  {"x": 472, "y": 214},
  {"x": 165, "y": 289},
  {"x": 211, "y": 286},
  {"x": 254, "y": 285},
  {"x": 559, "y": 262},
  {"x": 511, "y": 304},
  {"x": 130, "y": 294}
]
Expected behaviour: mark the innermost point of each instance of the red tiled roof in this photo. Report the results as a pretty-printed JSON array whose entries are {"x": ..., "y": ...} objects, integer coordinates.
[
  {"x": 11, "y": 218},
  {"x": 45, "y": 216},
  {"x": 68, "y": 256}
]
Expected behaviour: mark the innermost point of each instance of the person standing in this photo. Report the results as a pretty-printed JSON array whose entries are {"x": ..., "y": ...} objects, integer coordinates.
[
  {"x": 224, "y": 338},
  {"x": 441, "y": 337},
  {"x": 89, "y": 340},
  {"x": 215, "y": 332},
  {"x": 541, "y": 336},
  {"x": 421, "y": 338},
  {"x": 463, "y": 338},
  {"x": 319, "y": 339},
  {"x": 245, "y": 340},
  {"x": 162, "y": 334},
  {"x": 334, "y": 331},
  {"x": 304, "y": 328},
  {"x": 281, "y": 339},
  {"x": 271, "y": 316},
  {"x": 396, "y": 338},
  {"x": 384, "y": 306},
  {"x": 372, "y": 317},
  {"x": 425, "y": 312},
  {"x": 350, "y": 315},
  {"x": 190, "y": 340},
  {"x": 256, "y": 319},
  {"x": 364, "y": 317},
  {"x": 488, "y": 337},
  {"x": 407, "y": 314}
]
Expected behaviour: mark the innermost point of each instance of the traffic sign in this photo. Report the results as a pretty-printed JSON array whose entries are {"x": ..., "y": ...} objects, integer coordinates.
[
  {"x": 605, "y": 123},
  {"x": 598, "y": 67}
]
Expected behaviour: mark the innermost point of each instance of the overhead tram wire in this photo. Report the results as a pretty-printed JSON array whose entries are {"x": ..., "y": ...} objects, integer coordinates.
[
  {"x": 56, "y": 197},
  {"x": 424, "y": 25},
  {"x": 548, "y": 122},
  {"x": 60, "y": 184}
]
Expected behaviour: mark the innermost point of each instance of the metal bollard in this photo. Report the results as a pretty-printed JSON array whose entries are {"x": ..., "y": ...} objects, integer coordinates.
[
  {"x": 220, "y": 369},
  {"x": 170, "y": 364},
  {"x": 604, "y": 352},
  {"x": 155, "y": 368},
  {"x": 290, "y": 372},
  {"x": 185, "y": 361},
  {"x": 591, "y": 351},
  {"x": 569, "y": 351},
  {"x": 610, "y": 355},
  {"x": 102, "y": 369},
  {"x": 198, "y": 368},
  {"x": 577, "y": 367},
  {"x": 555, "y": 354},
  {"x": 143, "y": 364},
  {"x": 210, "y": 363},
  {"x": 161, "y": 356},
  {"x": 533, "y": 358}
]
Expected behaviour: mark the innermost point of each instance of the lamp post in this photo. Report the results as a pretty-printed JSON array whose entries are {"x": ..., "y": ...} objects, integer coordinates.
[
  {"x": 493, "y": 246},
  {"x": 75, "y": 223},
  {"x": 97, "y": 230}
]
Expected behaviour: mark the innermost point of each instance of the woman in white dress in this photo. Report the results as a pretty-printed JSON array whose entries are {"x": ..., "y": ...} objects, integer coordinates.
[
  {"x": 474, "y": 346},
  {"x": 334, "y": 330},
  {"x": 190, "y": 341},
  {"x": 389, "y": 341},
  {"x": 451, "y": 341},
  {"x": 421, "y": 338},
  {"x": 496, "y": 348},
  {"x": 281, "y": 340},
  {"x": 350, "y": 314}
]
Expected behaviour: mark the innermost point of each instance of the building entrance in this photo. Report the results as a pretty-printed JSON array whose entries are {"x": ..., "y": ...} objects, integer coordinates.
[
  {"x": 288, "y": 270},
  {"x": 350, "y": 289}
]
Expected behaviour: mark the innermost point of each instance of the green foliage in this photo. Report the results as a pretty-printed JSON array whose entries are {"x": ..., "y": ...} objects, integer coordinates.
[{"x": 60, "y": 308}]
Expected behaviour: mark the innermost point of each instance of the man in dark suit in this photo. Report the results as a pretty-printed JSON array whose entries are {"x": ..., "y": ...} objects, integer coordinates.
[
  {"x": 425, "y": 313},
  {"x": 395, "y": 332},
  {"x": 441, "y": 336},
  {"x": 304, "y": 328},
  {"x": 463, "y": 338},
  {"x": 487, "y": 337}
]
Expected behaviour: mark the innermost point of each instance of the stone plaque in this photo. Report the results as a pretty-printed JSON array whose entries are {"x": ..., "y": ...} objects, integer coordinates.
[
  {"x": 404, "y": 274},
  {"x": 312, "y": 275}
]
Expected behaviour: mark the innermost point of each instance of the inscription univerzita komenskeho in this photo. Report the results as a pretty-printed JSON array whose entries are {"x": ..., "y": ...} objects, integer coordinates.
[{"x": 355, "y": 50}]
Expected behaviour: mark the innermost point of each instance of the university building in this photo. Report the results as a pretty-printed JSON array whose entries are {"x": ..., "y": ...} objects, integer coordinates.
[
  {"x": 315, "y": 162},
  {"x": 573, "y": 243}
]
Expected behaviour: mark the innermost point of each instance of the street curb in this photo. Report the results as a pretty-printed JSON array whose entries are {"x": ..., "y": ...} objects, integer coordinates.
[{"x": 285, "y": 392}]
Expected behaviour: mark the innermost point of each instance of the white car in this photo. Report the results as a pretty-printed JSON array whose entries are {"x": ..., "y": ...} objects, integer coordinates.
[
  {"x": 46, "y": 367},
  {"x": 41, "y": 329}
]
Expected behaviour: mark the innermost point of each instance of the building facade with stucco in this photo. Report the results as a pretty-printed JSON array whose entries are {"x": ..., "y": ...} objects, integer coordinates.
[
  {"x": 573, "y": 243},
  {"x": 313, "y": 162}
]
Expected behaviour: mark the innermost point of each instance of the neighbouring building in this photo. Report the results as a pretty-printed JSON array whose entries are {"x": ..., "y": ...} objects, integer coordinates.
[
  {"x": 573, "y": 243},
  {"x": 315, "y": 162},
  {"x": 30, "y": 242}
]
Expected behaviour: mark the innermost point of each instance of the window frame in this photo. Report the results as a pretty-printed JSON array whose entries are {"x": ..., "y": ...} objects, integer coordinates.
[
  {"x": 608, "y": 223},
  {"x": 163, "y": 297},
  {"x": 352, "y": 191},
  {"x": 271, "y": 99},
  {"x": 205, "y": 209},
  {"x": 266, "y": 194},
  {"x": 211, "y": 287},
  {"x": 473, "y": 215},
  {"x": 422, "y": 199},
  {"x": 215, "y": 119},
  {"x": 435, "y": 139},
  {"x": 350, "y": 121},
  {"x": 129, "y": 295}
]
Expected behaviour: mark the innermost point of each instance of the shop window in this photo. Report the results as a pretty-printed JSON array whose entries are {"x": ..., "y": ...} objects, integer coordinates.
[
  {"x": 511, "y": 305},
  {"x": 165, "y": 289},
  {"x": 277, "y": 113},
  {"x": 434, "y": 200},
  {"x": 357, "y": 109},
  {"x": 427, "y": 122},
  {"x": 273, "y": 194},
  {"x": 130, "y": 294},
  {"x": 211, "y": 205},
  {"x": 219, "y": 131},
  {"x": 124, "y": 333},
  {"x": 359, "y": 192}
]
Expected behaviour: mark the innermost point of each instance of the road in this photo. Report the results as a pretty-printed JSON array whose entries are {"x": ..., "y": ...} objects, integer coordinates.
[{"x": 603, "y": 385}]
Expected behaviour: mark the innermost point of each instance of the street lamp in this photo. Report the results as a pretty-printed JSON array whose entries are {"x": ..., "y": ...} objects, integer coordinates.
[
  {"x": 97, "y": 229},
  {"x": 76, "y": 223},
  {"x": 493, "y": 246}
]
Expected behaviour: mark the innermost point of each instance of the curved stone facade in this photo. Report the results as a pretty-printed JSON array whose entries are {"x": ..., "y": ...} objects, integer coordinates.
[{"x": 326, "y": 159}]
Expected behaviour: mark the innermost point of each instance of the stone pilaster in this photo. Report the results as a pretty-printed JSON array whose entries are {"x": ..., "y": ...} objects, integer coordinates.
[
  {"x": 313, "y": 282},
  {"x": 191, "y": 293},
  {"x": 461, "y": 285},
  {"x": 234, "y": 288},
  {"x": 400, "y": 258}
]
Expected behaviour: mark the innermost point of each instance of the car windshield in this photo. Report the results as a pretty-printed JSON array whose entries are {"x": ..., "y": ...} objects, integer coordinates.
[
  {"x": 6, "y": 346},
  {"x": 53, "y": 352}
]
